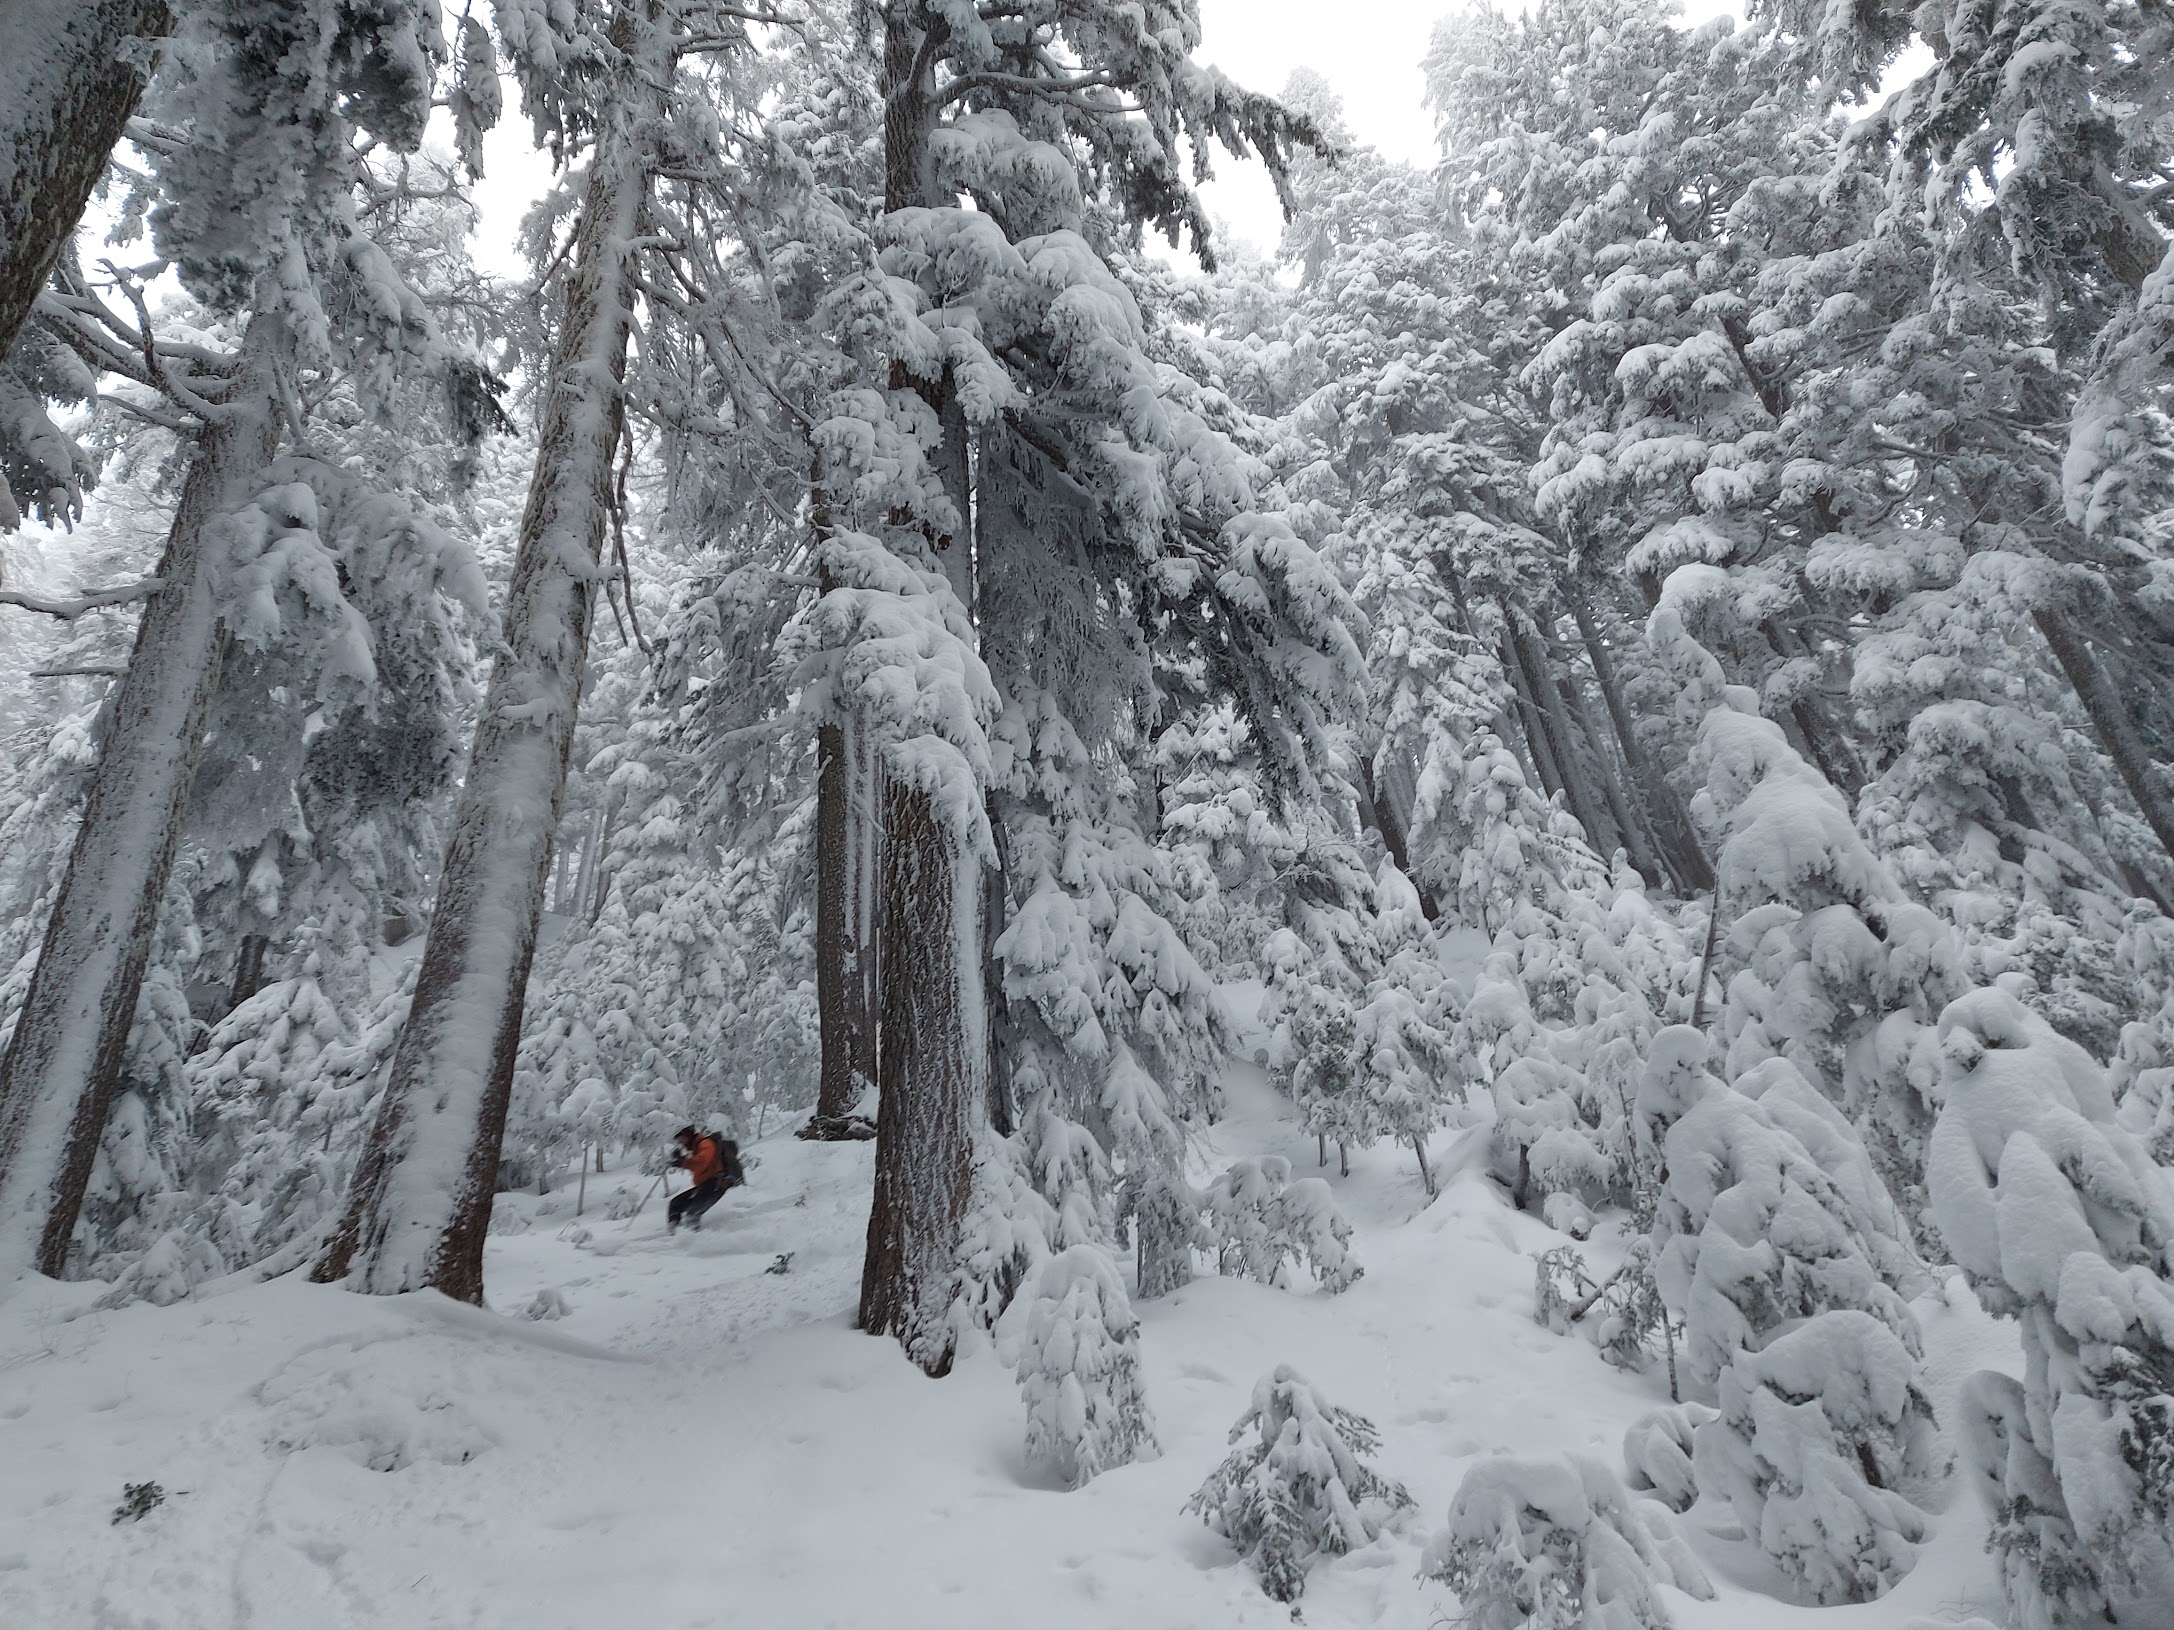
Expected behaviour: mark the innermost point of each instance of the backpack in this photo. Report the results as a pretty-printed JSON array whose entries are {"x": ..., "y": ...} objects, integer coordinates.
[{"x": 728, "y": 1154}]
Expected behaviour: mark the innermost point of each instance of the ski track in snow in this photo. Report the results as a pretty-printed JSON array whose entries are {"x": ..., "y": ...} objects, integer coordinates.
[{"x": 699, "y": 1442}]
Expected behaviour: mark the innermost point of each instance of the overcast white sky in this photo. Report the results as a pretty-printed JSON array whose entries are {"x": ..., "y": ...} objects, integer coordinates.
[{"x": 1369, "y": 50}]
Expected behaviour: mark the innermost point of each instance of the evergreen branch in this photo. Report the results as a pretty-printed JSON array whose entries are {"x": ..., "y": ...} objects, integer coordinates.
[{"x": 1066, "y": 89}]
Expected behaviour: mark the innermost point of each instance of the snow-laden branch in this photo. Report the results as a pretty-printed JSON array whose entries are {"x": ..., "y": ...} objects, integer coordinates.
[{"x": 69, "y": 609}]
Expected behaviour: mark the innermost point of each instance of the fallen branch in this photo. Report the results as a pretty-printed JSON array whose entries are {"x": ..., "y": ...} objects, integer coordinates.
[
  {"x": 1578, "y": 1311},
  {"x": 68, "y": 610},
  {"x": 93, "y": 671}
]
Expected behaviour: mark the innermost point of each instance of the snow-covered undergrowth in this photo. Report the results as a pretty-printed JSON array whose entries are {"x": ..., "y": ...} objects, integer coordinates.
[{"x": 685, "y": 1436}]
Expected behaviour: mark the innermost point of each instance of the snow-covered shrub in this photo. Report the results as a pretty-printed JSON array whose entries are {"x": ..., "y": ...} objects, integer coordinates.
[
  {"x": 1263, "y": 1221},
  {"x": 1079, "y": 1370},
  {"x": 1623, "y": 1314},
  {"x": 1789, "y": 1264},
  {"x": 1543, "y": 1140},
  {"x": 1562, "y": 1091},
  {"x": 1358, "y": 1012},
  {"x": 1559, "y": 1545},
  {"x": 2060, "y": 1219},
  {"x": 1823, "y": 1445},
  {"x": 1657, "y": 1454},
  {"x": 1770, "y": 1211},
  {"x": 1826, "y": 962},
  {"x": 2141, "y": 1071},
  {"x": 1301, "y": 1489}
]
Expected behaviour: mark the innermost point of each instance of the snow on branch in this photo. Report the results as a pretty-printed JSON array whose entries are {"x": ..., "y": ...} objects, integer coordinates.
[{"x": 69, "y": 608}]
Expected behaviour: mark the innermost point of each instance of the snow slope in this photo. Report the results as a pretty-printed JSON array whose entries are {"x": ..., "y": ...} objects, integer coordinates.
[{"x": 700, "y": 1442}]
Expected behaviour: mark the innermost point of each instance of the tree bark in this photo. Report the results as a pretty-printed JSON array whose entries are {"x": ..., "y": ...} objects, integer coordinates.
[
  {"x": 1555, "y": 724},
  {"x": 2110, "y": 720},
  {"x": 421, "y": 1202},
  {"x": 81, "y": 80},
  {"x": 842, "y": 996},
  {"x": 845, "y": 951},
  {"x": 1671, "y": 821},
  {"x": 1528, "y": 718},
  {"x": 932, "y": 1052},
  {"x": 1627, "y": 825},
  {"x": 929, "y": 1061},
  {"x": 248, "y": 970},
  {"x": 58, "y": 1078}
]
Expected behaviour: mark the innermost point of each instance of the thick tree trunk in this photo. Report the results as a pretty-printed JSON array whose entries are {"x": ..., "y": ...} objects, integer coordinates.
[
  {"x": 2110, "y": 721},
  {"x": 1671, "y": 821},
  {"x": 932, "y": 1044},
  {"x": 930, "y": 1062},
  {"x": 421, "y": 1202},
  {"x": 78, "y": 76},
  {"x": 58, "y": 1078},
  {"x": 1555, "y": 724}
]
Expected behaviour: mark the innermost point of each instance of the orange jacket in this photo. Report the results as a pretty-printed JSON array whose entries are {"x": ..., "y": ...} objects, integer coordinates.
[{"x": 706, "y": 1161}]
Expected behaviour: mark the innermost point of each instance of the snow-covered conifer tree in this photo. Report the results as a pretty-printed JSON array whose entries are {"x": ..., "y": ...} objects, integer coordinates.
[
  {"x": 1777, "y": 1237},
  {"x": 258, "y": 210},
  {"x": 2061, "y": 1221},
  {"x": 1079, "y": 1369},
  {"x": 1559, "y": 1545},
  {"x": 1260, "y": 1219},
  {"x": 1302, "y": 1489}
]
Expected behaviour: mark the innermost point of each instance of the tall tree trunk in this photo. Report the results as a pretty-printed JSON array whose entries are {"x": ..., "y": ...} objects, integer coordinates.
[
  {"x": 58, "y": 1078},
  {"x": 930, "y": 1062},
  {"x": 1671, "y": 821},
  {"x": 421, "y": 1201},
  {"x": 1826, "y": 744},
  {"x": 2110, "y": 720},
  {"x": 844, "y": 946},
  {"x": 1528, "y": 719},
  {"x": 835, "y": 1088},
  {"x": 1378, "y": 812},
  {"x": 932, "y": 1056},
  {"x": 998, "y": 1020},
  {"x": 1555, "y": 722},
  {"x": 248, "y": 970},
  {"x": 1627, "y": 824},
  {"x": 78, "y": 76}
]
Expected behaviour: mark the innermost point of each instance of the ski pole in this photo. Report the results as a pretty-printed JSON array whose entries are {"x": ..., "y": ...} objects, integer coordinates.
[{"x": 637, "y": 1211}]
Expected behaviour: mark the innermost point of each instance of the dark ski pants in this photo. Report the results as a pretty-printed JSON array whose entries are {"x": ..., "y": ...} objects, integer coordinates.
[{"x": 689, "y": 1206}]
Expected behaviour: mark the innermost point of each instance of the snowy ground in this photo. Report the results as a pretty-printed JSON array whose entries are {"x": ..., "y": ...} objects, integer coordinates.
[{"x": 700, "y": 1442}]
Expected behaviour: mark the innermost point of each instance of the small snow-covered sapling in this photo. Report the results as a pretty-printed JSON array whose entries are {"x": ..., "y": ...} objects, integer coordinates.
[
  {"x": 1301, "y": 1489},
  {"x": 1559, "y": 1545},
  {"x": 1262, "y": 1219},
  {"x": 1079, "y": 1370}
]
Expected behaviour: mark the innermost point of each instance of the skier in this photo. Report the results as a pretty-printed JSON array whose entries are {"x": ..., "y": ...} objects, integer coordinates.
[{"x": 713, "y": 1164}]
